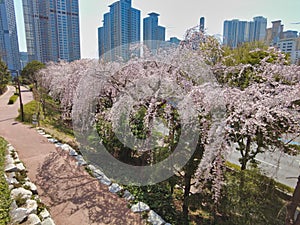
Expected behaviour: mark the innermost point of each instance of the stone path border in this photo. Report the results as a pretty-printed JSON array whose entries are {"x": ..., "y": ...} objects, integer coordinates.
[
  {"x": 26, "y": 207},
  {"x": 73, "y": 196},
  {"x": 140, "y": 207}
]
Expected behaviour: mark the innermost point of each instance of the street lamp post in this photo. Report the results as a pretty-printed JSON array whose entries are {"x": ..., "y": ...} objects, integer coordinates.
[{"x": 20, "y": 97}]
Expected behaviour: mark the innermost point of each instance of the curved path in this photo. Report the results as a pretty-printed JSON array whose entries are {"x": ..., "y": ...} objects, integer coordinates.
[{"x": 74, "y": 197}]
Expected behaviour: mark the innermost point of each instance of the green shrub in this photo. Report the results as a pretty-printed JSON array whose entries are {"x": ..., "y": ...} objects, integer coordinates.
[
  {"x": 30, "y": 86},
  {"x": 13, "y": 99},
  {"x": 41, "y": 206},
  {"x": 20, "y": 200},
  {"x": 21, "y": 176},
  {"x": 159, "y": 198},
  {"x": 5, "y": 200}
]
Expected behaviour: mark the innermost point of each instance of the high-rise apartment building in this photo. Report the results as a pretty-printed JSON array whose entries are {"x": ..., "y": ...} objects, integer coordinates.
[
  {"x": 236, "y": 32},
  {"x": 9, "y": 46},
  {"x": 23, "y": 59},
  {"x": 259, "y": 28},
  {"x": 287, "y": 41},
  {"x": 290, "y": 46},
  {"x": 101, "y": 46},
  {"x": 276, "y": 32},
  {"x": 290, "y": 34},
  {"x": 121, "y": 27},
  {"x": 202, "y": 24},
  {"x": 52, "y": 30},
  {"x": 153, "y": 35}
]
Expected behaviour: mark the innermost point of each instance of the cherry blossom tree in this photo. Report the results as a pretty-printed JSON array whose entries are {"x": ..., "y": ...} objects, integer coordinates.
[
  {"x": 263, "y": 107},
  {"x": 261, "y": 103},
  {"x": 60, "y": 81},
  {"x": 259, "y": 116},
  {"x": 175, "y": 81},
  {"x": 179, "y": 90}
]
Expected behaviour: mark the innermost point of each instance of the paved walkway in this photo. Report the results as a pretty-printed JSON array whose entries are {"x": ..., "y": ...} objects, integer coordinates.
[{"x": 74, "y": 197}]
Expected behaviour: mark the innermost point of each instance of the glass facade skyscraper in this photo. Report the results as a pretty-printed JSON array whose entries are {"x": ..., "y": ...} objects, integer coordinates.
[
  {"x": 260, "y": 28},
  {"x": 9, "y": 46},
  {"x": 52, "y": 30},
  {"x": 153, "y": 35},
  {"x": 236, "y": 32},
  {"x": 202, "y": 24},
  {"x": 121, "y": 26}
]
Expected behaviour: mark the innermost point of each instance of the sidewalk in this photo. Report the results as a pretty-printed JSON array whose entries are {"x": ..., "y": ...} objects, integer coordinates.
[{"x": 74, "y": 197}]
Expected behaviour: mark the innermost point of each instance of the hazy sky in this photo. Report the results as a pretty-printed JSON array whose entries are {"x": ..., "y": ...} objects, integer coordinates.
[{"x": 177, "y": 16}]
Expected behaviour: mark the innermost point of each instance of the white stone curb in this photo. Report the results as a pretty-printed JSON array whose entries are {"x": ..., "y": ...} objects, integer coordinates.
[
  {"x": 153, "y": 217},
  {"x": 24, "y": 193}
]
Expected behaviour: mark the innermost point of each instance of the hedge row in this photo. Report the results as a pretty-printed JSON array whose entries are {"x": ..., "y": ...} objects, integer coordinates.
[{"x": 13, "y": 99}]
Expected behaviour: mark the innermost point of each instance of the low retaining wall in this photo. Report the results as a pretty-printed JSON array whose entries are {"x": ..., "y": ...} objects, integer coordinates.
[
  {"x": 26, "y": 207},
  {"x": 140, "y": 207}
]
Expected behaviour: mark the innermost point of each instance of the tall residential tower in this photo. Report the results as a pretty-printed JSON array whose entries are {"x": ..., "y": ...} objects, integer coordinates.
[
  {"x": 202, "y": 24},
  {"x": 259, "y": 28},
  {"x": 121, "y": 26},
  {"x": 154, "y": 35},
  {"x": 236, "y": 32},
  {"x": 9, "y": 46},
  {"x": 52, "y": 30}
]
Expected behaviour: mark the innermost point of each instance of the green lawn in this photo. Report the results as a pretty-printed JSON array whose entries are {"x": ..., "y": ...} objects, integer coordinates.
[
  {"x": 50, "y": 120},
  {"x": 5, "y": 193}
]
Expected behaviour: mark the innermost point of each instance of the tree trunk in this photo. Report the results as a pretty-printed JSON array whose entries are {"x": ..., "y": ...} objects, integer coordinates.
[
  {"x": 189, "y": 171},
  {"x": 244, "y": 164},
  {"x": 292, "y": 206},
  {"x": 246, "y": 158},
  {"x": 185, "y": 206}
]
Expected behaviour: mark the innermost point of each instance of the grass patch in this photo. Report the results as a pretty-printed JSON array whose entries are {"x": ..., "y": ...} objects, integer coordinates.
[
  {"x": 13, "y": 99},
  {"x": 60, "y": 135},
  {"x": 41, "y": 206},
  {"x": 20, "y": 200},
  {"x": 280, "y": 186},
  {"x": 49, "y": 119},
  {"x": 247, "y": 198},
  {"x": 5, "y": 200},
  {"x": 52, "y": 118},
  {"x": 232, "y": 166},
  {"x": 30, "y": 109},
  {"x": 284, "y": 187}
]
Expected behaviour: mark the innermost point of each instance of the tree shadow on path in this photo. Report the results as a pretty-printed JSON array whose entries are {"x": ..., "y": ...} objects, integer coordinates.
[{"x": 73, "y": 194}]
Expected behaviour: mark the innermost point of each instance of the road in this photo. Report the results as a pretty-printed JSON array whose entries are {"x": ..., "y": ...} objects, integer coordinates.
[{"x": 276, "y": 164}]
